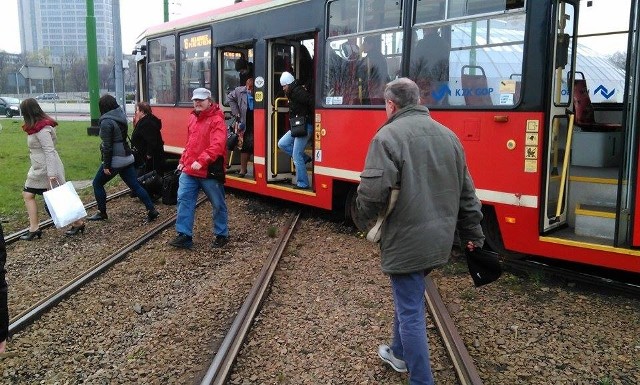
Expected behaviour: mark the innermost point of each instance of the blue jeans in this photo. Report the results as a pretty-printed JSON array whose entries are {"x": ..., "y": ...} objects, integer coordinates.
[
  {"x": 129, "y": 176},
  {"x": 410, "y": 328},
  {"x": 188, "y": 190},
  {"x": 294, "y": 147}
]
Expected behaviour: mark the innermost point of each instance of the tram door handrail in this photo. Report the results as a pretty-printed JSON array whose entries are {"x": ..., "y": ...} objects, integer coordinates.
[
  {"x": 565, "y": 166},
  {"x": 274, "y": 131}
]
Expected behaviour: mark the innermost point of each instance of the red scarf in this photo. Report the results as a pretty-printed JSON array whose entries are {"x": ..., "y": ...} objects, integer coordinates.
[{"x": 38, "y": 126}]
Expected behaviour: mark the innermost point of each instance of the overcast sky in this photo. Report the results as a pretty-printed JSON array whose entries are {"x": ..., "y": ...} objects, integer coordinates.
[{"x": 135, "y": 17}]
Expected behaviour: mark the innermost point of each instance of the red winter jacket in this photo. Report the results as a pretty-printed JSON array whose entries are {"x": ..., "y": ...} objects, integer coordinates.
[{"x": 206, "y": 140}]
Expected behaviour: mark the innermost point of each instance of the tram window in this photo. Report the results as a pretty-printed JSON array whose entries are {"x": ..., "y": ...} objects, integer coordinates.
[
  {"x": 195, "y": 63},
  {"x": 359, "y": 67},
  {"x": 460, "y": 8},
  {"x": 161, "y": 71},
  {"x": 369, "y": 15},
  {"x": 490, "y": 49}
]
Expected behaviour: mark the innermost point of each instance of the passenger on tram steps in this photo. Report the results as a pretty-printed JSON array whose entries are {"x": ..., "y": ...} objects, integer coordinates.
[
  {"x": 418, "y": 233},
  {"x": 4, "y": 308},
  {"x": 242, "y": 104},
  {"x": 46, "y": 169},
  {"x": 373, "y": 71},
  {"x": 245, "y": 70},
  {"x": 117, "y": 159},
  {"x": 147, "y": 138},
  {"x": 300, "y": 104},
  {"x": 202, "y": 165}
]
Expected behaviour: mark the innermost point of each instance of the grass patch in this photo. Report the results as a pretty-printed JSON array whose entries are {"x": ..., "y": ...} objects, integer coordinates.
[{"x": 79, "y": 152}]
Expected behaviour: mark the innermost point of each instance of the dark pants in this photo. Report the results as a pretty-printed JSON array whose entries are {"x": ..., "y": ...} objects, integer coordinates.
[{"x": 128, "y": 175}]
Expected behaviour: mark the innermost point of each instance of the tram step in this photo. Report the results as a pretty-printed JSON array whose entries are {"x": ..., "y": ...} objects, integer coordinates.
[
  {"x": 595, "y": 221},
  {"x": 598, "y": 190}
]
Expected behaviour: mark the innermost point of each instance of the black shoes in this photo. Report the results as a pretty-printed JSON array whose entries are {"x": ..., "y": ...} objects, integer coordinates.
[
  {"x": 182, "y": 241},
  {"x": 152, "y": 215},
  {"x": 99, "y": 216},
  {"x": 220, "y": 241},
  {"x": 74, "y": 230},
  {"x": 31, "y": 234}
]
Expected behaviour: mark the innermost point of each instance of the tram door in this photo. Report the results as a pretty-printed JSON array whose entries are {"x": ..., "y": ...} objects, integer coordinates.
[
  {"x": 629, "y": 220},
  {"x": 560, "y": 122},
  {"x": 285, "y": 54}
]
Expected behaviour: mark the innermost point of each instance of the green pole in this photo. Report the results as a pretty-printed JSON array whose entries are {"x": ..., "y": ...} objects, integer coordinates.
[
  {"x": 166, "y": 10},
  {"x": 92, "y": 69}
]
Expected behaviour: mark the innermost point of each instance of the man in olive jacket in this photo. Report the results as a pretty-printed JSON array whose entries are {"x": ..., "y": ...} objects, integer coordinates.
[{"x": 425, "y": 162}]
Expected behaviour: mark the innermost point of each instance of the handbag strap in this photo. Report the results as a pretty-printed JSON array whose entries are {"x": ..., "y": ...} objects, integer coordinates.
[{"x": 51, "y": 184}]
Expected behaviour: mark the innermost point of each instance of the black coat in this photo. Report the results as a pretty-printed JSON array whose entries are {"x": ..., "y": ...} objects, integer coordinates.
[
  {"x": 147, "y": 139},
  {"x": 300, "y": 101}
]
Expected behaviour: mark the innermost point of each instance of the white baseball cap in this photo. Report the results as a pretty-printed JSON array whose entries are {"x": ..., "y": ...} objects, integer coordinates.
[
  {"x": 286, "y": 78},
  {"x": 201, "y": 93}
]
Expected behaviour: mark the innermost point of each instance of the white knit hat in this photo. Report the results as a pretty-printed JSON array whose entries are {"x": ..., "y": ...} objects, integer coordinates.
[
  {"x": 201, "y": 94},
  {"x": 286, "y": 79}
]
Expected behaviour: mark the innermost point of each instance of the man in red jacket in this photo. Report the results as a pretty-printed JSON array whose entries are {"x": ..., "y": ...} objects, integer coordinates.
[{"x": 202, "y": 165}]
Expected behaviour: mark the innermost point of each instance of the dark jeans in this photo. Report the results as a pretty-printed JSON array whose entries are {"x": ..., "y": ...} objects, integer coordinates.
[{"x": 128, "y": 176}]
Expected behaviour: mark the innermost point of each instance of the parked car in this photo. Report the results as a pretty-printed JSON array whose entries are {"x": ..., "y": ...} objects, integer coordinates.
[
  {"x": 48, "y": 96},
  {"x": 9, "y": 107}
]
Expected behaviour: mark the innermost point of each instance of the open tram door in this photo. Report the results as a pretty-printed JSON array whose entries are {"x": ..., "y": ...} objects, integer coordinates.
[
  {"x": 294, "y": 54},
  {"x": 590, "y": 166}
]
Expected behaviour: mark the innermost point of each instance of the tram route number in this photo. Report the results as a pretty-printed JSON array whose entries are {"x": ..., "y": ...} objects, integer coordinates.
[{"x": 473, "y": 91}]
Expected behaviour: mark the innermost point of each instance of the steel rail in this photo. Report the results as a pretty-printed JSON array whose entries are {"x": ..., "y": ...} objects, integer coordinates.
[
  {"x": 48, "y": 222},
  {"x": 30, "y": 315},
  {"x": 462, "y": 361},
  {"x": 224, "y": 359},
  {"x": 568, "y": 274}
]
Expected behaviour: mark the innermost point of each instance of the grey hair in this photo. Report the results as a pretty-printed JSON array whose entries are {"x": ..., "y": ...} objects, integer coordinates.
[{"x": 403, "y": 92}]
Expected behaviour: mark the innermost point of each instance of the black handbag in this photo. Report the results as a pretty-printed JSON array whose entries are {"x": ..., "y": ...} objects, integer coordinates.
[
  {"x": 298, "y": 126},
  {"x": 152, "y": 182},
  {"x": 215, "y": 170},
  {"x": 170, "y": 183},
  {"x": 232, "y": 136},
  {"x": 484, "y": 266}
]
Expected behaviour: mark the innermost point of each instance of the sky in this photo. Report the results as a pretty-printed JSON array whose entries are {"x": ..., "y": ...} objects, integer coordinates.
[{"x": 135, "y": 17}]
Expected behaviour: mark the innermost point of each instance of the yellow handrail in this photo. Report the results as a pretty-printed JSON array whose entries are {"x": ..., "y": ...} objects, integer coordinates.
[{"x": 565, "y": 166}]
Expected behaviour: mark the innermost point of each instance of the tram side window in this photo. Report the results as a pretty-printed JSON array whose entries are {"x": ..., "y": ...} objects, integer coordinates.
[
  {"x": 195, "y": 63},
  {"x": 161, "y": 71},
  {"x": 472, "y": 63},
  {"x": 359, "y": 61}
]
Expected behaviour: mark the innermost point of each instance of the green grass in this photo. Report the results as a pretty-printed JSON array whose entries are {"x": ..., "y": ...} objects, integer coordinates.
[{"x": 79, "y": 152}]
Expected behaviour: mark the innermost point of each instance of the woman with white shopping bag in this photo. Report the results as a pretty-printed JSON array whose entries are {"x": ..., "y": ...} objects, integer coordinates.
[{"x": 46, "y": 169}]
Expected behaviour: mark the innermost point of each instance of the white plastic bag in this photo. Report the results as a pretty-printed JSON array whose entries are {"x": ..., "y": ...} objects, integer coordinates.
[{"x": 64, "y": 205}]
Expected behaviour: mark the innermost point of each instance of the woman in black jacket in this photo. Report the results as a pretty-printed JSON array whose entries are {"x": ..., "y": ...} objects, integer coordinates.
[
  {"x": 300, "y": 105},
  {"x": 147, "y": 139}
]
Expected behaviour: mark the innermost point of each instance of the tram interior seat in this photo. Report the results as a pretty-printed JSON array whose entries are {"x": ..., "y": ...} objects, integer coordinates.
[
  {"x": 474, "y": 83},
  {"x": 584, "y": 111}
]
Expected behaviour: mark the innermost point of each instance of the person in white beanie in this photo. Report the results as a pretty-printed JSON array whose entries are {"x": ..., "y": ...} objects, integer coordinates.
[{"x": 300, "y": 105}]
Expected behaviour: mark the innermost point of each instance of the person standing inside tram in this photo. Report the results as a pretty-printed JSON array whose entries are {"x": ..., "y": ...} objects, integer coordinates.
[
  {"x": 436, "y": 197},
  {"x": 373, "y": 71},
  {"x": 300, "y": 105},
  {"x": 202, "y": 166},
  {"x": 242, "y": 103}
]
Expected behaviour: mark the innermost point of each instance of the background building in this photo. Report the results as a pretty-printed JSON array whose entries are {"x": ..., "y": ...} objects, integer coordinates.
[{"x": 58, "y": 28}]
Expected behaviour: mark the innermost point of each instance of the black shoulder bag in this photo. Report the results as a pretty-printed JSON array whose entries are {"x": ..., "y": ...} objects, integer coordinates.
[{"x": 298, "y": 125}]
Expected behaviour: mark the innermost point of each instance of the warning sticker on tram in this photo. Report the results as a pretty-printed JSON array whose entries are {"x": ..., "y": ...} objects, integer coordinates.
[{"x": 531, "y": 152}]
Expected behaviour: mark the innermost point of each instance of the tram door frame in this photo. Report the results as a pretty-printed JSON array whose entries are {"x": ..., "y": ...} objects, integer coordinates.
[
  {"x": 560, "y": 123},
  {"x": 279, "y": 165}
]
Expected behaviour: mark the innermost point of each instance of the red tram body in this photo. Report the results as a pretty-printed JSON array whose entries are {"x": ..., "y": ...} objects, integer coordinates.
[{"x": 511, "y": 84}]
